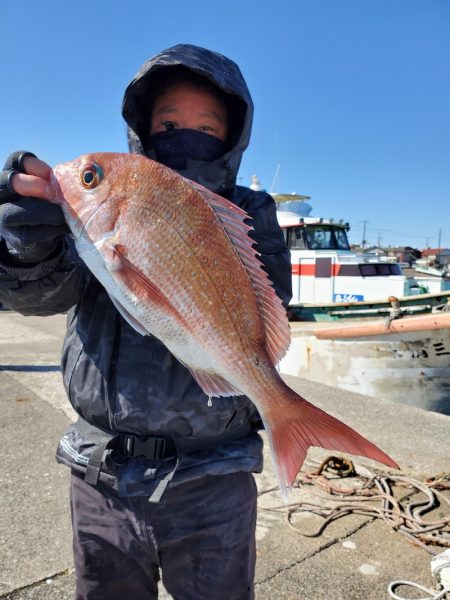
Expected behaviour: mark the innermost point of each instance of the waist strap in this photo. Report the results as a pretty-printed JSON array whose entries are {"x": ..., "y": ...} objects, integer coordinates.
[{"x": 151, "y": 447}]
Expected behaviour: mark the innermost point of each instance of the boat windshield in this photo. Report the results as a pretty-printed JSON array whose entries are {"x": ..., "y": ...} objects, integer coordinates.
[{"x": 320, "y": 237}]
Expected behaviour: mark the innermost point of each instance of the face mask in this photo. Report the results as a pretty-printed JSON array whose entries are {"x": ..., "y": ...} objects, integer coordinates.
[{"x": 174, "y": 148}]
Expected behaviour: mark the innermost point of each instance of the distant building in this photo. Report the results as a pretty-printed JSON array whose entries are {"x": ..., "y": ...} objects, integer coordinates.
[
  {"x": 430, "y": 253},
  {"x": 373, "y": 250},
  {"x": 444, "y": 258},
  {"x": 437, "y": 256},
  {"x": 405, "y": 254},
  {"x": 401, "y": 254}
]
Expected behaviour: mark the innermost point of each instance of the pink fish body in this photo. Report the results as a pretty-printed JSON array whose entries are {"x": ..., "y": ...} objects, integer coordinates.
[{"x": 178, "y": 263}]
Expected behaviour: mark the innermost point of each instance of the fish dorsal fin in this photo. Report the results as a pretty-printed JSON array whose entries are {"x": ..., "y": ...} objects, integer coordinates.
[{"x": 273, "y": 313}]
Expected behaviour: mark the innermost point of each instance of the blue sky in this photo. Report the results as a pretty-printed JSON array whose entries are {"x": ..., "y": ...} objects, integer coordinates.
[{"x": 352, "y": 97}]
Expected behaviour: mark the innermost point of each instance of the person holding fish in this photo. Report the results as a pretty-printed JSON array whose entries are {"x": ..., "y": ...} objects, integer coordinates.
[
  {"x": 175, "y": 281},
  {"x": 190, "y": 109}
]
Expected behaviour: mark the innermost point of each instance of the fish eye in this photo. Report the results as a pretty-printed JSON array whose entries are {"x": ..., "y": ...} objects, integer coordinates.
[{"x": 91, "y": 176}]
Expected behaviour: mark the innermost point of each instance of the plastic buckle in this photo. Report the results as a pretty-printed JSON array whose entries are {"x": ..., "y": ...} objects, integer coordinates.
[{"x": 152, "y": 448}]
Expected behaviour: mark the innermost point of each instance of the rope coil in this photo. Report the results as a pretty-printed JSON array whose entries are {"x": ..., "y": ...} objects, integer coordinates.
[
  {"x": 433, "y": 595},
  {"x": 371, "y": 494}
]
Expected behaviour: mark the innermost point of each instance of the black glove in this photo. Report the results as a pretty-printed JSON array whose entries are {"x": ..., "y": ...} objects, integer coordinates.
[{"x": 29, "y": 227}]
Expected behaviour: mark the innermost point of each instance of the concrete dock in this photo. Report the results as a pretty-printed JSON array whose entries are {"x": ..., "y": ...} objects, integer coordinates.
[{"x": 355, "y": 558}]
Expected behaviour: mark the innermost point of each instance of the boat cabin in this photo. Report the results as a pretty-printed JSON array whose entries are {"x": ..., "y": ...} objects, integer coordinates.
[{"x": 324, "y": 268}]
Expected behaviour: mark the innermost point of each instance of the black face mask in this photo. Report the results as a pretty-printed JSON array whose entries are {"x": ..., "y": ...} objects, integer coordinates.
[{"x": 174, "y": 148}]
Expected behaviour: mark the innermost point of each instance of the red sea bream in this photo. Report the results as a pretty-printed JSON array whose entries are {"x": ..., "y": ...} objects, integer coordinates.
[{"x": 178, "y": 263}]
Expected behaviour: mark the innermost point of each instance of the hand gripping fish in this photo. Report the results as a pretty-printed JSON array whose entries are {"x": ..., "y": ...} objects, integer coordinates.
[{"x": 178, "y": 263}]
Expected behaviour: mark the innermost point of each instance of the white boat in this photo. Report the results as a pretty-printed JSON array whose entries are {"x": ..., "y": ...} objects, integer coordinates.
[
  {"x": 402, "y": 354},
  {"x": 428, "y": 270},
  {"x": 405, "y": 360},
  {"x": 330, "y": 281}
]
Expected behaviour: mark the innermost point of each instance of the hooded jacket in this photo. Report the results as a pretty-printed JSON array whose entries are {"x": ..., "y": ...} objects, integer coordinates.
[
  {"x": 220, "y": 175},
  {"x": 120, "y": 381}
]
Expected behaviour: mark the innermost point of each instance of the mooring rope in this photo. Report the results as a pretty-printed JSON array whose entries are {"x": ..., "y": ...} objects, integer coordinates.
[{"x": 371, "y": 494}]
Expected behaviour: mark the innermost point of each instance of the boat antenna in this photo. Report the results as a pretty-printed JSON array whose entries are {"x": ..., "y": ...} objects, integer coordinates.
[{"x": 275, "y": 180}]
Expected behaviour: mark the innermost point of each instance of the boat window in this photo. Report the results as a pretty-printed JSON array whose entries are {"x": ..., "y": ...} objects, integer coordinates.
[
  {"x": 316, "y": 238},
  {"x": 319, "y": 238},
  {"x": 296, "y": 239},
  {"x": 341, "y": 239},
  {"x": 384, "y": 269},
  {"x": 349, "y": 271},
  {"x": 324, "y": 237},
  {"x": 367, "y": 270}
]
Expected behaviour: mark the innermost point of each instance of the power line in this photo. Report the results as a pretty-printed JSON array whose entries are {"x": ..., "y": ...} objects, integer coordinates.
[{"x": 427, "y": 238}]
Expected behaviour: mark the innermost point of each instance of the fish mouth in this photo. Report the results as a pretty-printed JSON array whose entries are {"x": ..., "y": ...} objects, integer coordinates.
[
  {"x": 61, "y": 187},
  {"x": 54, "y": 184}
]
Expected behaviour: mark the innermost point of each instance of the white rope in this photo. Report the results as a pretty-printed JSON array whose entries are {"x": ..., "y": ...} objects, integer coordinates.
[{"x": 433, "y": 596}]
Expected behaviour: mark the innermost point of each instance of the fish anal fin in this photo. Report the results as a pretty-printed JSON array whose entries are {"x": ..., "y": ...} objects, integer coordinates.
[
  {"x": 276, "y": 325},
  {"x": 290, "y": 439}
]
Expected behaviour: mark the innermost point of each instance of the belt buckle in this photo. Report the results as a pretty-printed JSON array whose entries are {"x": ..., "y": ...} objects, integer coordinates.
[{"x": 152, "y": 448}]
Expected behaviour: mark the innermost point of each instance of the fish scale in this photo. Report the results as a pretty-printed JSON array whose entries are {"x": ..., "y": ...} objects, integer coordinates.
[
  {"x": 209, "y": 288},
  {"x": 178, "y": 263}
]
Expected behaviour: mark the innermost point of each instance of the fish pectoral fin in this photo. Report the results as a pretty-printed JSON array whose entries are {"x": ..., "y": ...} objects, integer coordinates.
[
  {"x": 139, "y": 285},
  {"x": 213, "y": 385}
]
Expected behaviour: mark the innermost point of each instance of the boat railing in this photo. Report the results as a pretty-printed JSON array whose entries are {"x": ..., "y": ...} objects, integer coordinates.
[
  {"x": 348, "y": 258},
  {"x": 419, "y": 308}
]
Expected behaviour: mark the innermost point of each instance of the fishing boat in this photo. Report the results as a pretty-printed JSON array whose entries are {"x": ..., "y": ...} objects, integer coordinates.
[
  {"x": 357, "y": 321},
  {"x": 403, "y": 359},
  {"x": 332, "y": 282}
]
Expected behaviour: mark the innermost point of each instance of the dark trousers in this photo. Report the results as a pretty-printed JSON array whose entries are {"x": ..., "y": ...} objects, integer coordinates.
[{"x": 201, "y": 537}]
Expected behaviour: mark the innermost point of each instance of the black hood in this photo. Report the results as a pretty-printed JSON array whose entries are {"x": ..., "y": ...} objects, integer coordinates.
[{"x": 220, "y": 175}]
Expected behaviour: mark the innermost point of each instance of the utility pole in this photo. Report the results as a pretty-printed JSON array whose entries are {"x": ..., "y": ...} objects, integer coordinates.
[
  {"x": 363, "y": 243},
  {"x": 379, "y": 239},
  {"x": 439, "y": 239}
]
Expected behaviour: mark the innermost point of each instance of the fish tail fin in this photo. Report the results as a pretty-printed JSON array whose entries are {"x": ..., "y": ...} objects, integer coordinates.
[{"x": 305, "y": 426}]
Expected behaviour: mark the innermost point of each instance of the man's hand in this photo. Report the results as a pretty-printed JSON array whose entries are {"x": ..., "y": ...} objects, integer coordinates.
[
  {"x": 29, "y": 225},
  {"x": 25, "y": 175}
]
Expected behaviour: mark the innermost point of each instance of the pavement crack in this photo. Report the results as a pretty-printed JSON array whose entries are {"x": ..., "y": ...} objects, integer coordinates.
[
  {"x": 318, "y": 551},
  {"x": 35, "y": 584}
]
